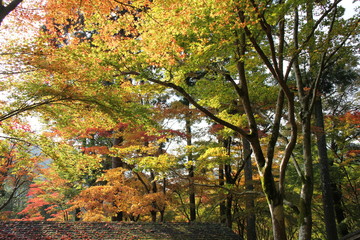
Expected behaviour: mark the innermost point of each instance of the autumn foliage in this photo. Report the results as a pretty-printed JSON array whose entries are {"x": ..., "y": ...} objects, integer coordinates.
[{"x": 183, "y": 111}]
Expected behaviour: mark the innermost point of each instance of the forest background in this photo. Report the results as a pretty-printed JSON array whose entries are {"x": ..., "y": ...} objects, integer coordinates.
[{"x": 244, "y": 113}]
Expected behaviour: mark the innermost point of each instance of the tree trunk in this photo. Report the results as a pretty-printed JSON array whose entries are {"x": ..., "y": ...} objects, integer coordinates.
[
  {"x": 278, "y": 221},
  {"x": 275, "y": 202},
  {"x": 162, "y": 214},
  {"x": 305, "y": 218},
  {"x": 115, "y": 163},
  {"x": 154, "y": 189},
  {"x": 153, "y": 216},
  {"x": 327, "y": 195},
  {"x": 76, "y": 214},
  {"x": 230, "y": 180},
  {"x": 229, "y": 203},
  {"x": 118, "y": 217},
  {"x": 5, "y": 10},
  {"x": 222, "y": 202},
  {"x": 339, "y": 211},
  {"x": 192, "y": 194},
  {"x": 162, "y": 210},
  {"x": 274, "y": 197},
  {"x": 250, "y": 219},
  {"x": 192, "y": 203}
]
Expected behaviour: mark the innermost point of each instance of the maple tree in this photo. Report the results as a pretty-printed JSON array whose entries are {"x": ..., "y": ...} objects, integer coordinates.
[
  {"x": 253, "y": 67},
  {"x": 137, "y": 151},
  {"x": 64, "y": 173},
  {"x": 174, "y": 51},
  {"x": 18, "y": 164}
]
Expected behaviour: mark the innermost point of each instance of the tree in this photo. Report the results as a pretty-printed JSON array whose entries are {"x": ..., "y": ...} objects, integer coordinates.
[
  {"x": 310, "y": 78},
  {"x": 341, "y": 128},
  {"x": 18, "y": 164},
  {"x": 330, "y": 78},
  {"x": 225, "y": 41}
]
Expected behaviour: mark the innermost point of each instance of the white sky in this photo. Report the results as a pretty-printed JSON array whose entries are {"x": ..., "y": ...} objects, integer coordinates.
[{"x": 350, "y": 6}]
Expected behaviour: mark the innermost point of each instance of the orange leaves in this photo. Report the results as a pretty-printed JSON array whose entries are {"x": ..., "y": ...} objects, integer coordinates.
[
  {"x": 346, "y": 124},
  {"x": 352, "y": 118},
  {"x": 35, "y": 190},
  {"x": 353, "y": 153},
  {"x": 48, "y": 195},
  {"x": 32, "y": 209},
  {"x": 96, "y": 150},
  {"x": 119, "y": 194}
]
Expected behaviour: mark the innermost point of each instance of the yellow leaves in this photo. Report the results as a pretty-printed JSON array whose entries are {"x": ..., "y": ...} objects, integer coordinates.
[
  {"x": 214, "y": 102},
  {"x": 235, "y": 119},
  {"x": 214, "y": 152},
  {"x": 114, "y": 176},
  {"x": 145, "y": 157},
  {"x": 17, "y": 164},
  {"x": 212, "y": 157},
  {"x": 160, "y": 163},
  {"x": 68, "y": 164}
]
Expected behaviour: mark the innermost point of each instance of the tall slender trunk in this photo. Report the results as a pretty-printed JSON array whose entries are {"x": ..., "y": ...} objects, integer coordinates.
[
  {"x": 115, "y": 163},
  {"x": 230, "y": 180},
  {"x": 229, "y": 204},
  {"x": 305, "y": 218},
  {"x": 327, "y": 195},
  {"x": 250, "y": 219},
  {"x": 339, "y": 211},
  {"x": 153, "y": 216},
  {"x": 162, "y": 215},
  {"x": 162, "y": 210},
  {"x": 76, "y": 213},
  {"x": 191, "y": 169},
  {"x": 278, "y": 221},
  {"x": 271, "y": 191},
  {"x": 192, "y": 194},
  {"x": 222, "y": 202},
  {"x": 306, "y": 192},
  {"x": 153, "y": 190},
  {"x": 274, "y": 198}
]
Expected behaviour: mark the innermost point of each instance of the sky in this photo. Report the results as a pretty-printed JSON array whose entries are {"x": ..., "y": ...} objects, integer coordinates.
[{"x": 350, "y": 6}]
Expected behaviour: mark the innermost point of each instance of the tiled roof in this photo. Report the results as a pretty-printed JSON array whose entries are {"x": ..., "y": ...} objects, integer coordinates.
[
  {"x": 16, "y": 230},
  {"x": 352, "y": 236}
]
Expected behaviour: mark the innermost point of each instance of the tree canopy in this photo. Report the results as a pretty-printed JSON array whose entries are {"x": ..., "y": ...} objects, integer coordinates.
[{"x": 186, "y": 111}]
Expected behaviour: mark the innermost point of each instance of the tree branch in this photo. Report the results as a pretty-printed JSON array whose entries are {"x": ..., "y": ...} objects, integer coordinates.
[
  {"x": 183, "y": 92},
  {"x": 4, "y": 11}
]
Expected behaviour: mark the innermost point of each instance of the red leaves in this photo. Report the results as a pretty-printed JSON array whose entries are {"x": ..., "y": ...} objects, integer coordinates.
[
  {"x": 21, "y": 126},
  {"x": 90, "y": 132},
  {"x": 145, "y": 137},
  {"x": 122, "y": 126},
  {"x": 35, "y": 190},
  {"x": 353, "y": 153},
  {"x": 352, "y": 118},
  {"x": 216, "y": 127},
  {"x": 104, "y": 132}
]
